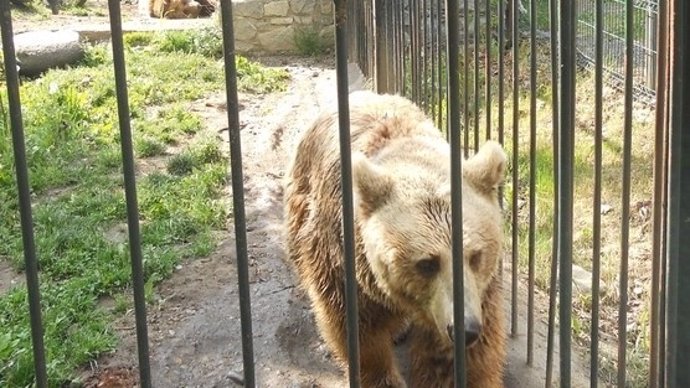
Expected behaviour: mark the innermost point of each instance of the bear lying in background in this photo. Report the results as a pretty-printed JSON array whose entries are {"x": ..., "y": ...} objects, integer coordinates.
[
  {"x": 180, "y": 9},
  {"x": 401, "y": 183}
]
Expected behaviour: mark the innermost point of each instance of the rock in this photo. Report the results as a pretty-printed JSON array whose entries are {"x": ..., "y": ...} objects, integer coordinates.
[
  {"x": 41, "y": 50},
  {"x": 277, "y": 8},
  {"x": 303, "y": 20},
  {"x": 302, "y": 7},
  {"x": 327, "y": 6},
  {"x": 277, "y": 40},
  {"x": 248, "y": 8},
  {"x": 606, "y": 209},
  {"x": 244, "y": 30},
  {"x": 282, "y": 21},
  {"x": 582, "y": 280}
]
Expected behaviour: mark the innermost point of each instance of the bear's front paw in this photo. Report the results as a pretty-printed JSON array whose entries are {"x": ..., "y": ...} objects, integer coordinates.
[{"x": 388, "y": 381}]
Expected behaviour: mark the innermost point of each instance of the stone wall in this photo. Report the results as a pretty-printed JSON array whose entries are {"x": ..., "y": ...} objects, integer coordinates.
[{"x": 269, "y": 26}]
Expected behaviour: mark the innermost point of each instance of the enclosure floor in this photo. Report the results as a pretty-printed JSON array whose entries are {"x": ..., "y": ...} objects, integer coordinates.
[{"x": 195, "y": 328}]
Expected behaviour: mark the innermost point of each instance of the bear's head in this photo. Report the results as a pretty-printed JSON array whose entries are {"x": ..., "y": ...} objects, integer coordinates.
[{"x": 403, "y": 209}]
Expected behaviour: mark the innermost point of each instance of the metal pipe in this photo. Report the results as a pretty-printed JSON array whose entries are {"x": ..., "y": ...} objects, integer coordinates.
[{"x": 24, "y": 194}]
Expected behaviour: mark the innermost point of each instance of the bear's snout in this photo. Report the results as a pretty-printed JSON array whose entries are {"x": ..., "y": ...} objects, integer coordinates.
[{"x": 472, "y": 330}]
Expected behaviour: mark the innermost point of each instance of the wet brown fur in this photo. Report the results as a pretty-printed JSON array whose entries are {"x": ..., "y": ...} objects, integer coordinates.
[
  {"x": 313, "y": 237},
  {"x": 180, "y": 9}
]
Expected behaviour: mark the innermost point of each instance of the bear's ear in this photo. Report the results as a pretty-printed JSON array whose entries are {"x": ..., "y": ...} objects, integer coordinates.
[
  {"x": 371, "y": 185},
  {"x": 485, "y": 170}
]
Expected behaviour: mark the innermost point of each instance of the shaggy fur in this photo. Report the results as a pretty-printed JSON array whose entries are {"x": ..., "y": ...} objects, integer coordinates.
[
  {"x": 180, "y": 9},
  {"x": 401, "y": 182}
]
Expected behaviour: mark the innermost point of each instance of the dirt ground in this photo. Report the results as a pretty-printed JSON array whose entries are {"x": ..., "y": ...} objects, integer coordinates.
[{"x": 194, "y": 325}]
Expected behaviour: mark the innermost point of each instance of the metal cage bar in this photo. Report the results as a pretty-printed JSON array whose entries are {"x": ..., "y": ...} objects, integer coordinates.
[
  {"x": 352, "y": 318},
  {"x": 130, "y": 192},
  {"x": 238, "y": 193},
  {"x": 24, "y": 194}
]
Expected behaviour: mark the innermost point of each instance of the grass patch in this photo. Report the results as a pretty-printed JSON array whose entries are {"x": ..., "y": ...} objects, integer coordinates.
[
  {"x": 309, "y": 41},
  {"x": 74, "y": 160}
]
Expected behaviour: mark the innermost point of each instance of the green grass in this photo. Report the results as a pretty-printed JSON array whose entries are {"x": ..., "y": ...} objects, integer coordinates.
[
  {"x": 74, "y": 160},
  {"x": 309, "y": 41}
]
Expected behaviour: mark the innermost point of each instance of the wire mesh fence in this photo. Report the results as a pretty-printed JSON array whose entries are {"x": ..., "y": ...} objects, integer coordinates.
[{"x": 644, "y": 31}]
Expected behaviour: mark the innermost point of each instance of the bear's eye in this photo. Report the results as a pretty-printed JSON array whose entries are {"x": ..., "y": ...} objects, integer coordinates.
[
  {"x": 475, "y": 259},
  {"x": 429, "y": 266}
]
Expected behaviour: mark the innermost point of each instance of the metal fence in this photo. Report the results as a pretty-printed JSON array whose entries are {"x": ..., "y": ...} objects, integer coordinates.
[
  {"x": 414, "y": 48},
  {"x": 644, "y": 30}
]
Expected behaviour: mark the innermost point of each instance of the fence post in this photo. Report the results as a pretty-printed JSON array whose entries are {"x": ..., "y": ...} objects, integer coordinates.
[
  {"x": 678, "y": 284},
  {"x": 652, "y": 21},
  {"x": 381, "y": 52}
]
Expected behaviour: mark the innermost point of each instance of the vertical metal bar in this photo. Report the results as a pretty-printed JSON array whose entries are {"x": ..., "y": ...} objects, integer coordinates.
[
  {"x": 658, "y": 200},
  {"x": 413, "y": 50},
  {"x": 452, "y": 19},
  {"x": 380, "y": 41},
  {"x": 130, "y": 191},
  {"x": 441, "y": 64},
  {"x": 625, "y": 205},
  {"x": 475, "y": 15},
  {"x": 516, "y": 146},
  {"x": 565, "y": 183},
  {"x": 400, "y": 56},
  {"x": 238, "y": 192},
  {"x": 425, "y": 57},
  {"x": 596, "y": 222},
  {"x": 397, "y": 55},
  {"x": 663, "y": 275},
  {"x": 501, "y": 90},
  {"x": 532, "y": 179},
  {"x": 466, "y": 82},
  {"x": 432, "y": 51},
  {"x": 501, "y": 75},
  {"x": 553, "y": 22},
  {"x": 391, "y": 66},
  {"x": 487, "y": 70},
  {"x": 678, "y": 314},
  {"x": 346, "y": 185},
  {"x": 24, "y": 193},
  {"x": 419, "y": 84}
]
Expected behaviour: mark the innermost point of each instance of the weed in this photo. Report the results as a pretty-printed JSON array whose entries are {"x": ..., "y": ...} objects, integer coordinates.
[
  {"x": 252, "y": 77},
  {"x": 207, "y": 42},
  {"x": 309, "y": 41},
  {"x": 147, "y": 146},
  {"x": 137, "y": 39},
  {"x": 96, "y": 56},
  {"x": 181, "y": 164}
]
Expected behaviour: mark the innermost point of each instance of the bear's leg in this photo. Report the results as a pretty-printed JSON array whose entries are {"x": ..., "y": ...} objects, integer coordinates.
[
  {"x": 484, "y": 363},
  {"x": 434, "y": 368},
  {"x": 378, "y": 367},
  {"x": 377, "y": 359},
  {"x": 429, "y": 365}
]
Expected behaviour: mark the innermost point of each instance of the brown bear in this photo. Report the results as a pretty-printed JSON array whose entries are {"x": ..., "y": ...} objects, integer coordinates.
[
  {"x": 402, "y": 198},
  {"x": 181, "y": 9}
]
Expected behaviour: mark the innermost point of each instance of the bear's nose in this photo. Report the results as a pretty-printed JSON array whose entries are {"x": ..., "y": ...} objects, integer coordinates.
[{"x": 472, "y": 330}]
